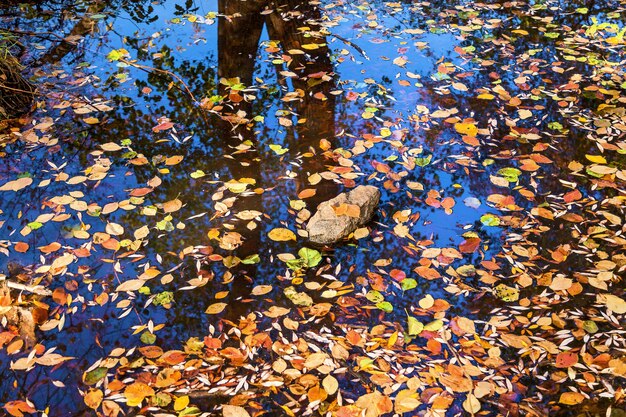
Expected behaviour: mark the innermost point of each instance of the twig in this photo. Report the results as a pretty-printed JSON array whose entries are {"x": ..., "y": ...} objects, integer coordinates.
[
  {"x": 171, "y": 74},
  {"x": 40, "y": 34},
  {"x": 352, "y": 44},
  {"x": 18, "y": 90}
]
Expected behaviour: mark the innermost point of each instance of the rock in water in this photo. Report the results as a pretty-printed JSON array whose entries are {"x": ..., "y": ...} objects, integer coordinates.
[{"x": 342, "y": 215}]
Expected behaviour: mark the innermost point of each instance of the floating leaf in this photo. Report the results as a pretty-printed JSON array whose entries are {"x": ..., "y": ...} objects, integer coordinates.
[
  {"x": 385, "y": 306},
  {"x": 16, "y": 185},
  {"x": 415, "y": 326},
  {"x": 408, "y": 284},
  {"x": 311, "y": 257},
  {"x": 91, "y": 377},
  {"x": 466, "y": 128},
  {"x": 234, "y": 411},
  {"x": 490, "y": 219},
  {"x": 216, "y": 308},
  {"x": 136, "y": 392},
  {"x": 279, "y": 150},
  {"x": 281, "y": 235},
  {"x": 506, "y": 293}
]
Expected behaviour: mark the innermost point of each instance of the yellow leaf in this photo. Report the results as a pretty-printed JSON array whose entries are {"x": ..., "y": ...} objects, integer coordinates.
[
  {"x": 181, "y": 403},
  {"x": 130, "y": 285},
  {"x": 392, "y": 339},
  {"x": 506, "y": 293},
  {"x": 427, "y": 302},
  {"x": 93, "y": 398},
  {"x": 406, "y": 400},
  {"x": 596, "y": 159},
  {"x": 471, "y": 404},
  {"x": 315, "y": 360},
  {"x": 330, "y": 384},
  {"x": 613, "y": 303},
  {"x": 315, "y": 178},
  {"x": 216, "y": 308},
  {"x": 466, "y": 128},
  {"x": 281, "y": 235}
]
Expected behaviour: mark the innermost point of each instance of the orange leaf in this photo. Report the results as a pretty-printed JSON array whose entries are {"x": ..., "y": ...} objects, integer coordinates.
[
  {"x": 306, "y": 193},
  {"x": 93, "y": 398},
  {"x": 52, "y": 247},
  {"x": 172, "y": 205},
  {"x": 571, "y": 398},
  {"x": 21, "y": 247},
  {"x": 566, "y": 359},
  {"x": 136, "y": 392},
  {"x": 18, "y": 408}
]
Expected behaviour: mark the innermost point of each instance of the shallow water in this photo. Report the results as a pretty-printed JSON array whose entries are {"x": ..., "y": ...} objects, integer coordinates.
[{"x": 179, "y": 53}]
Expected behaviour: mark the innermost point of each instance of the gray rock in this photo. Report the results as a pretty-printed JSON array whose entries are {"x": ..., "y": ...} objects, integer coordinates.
[{"x": 326, "y": 227}]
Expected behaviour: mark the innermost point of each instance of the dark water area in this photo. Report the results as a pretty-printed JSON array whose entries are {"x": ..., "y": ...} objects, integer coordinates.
[{"x": 354, "y": 105}]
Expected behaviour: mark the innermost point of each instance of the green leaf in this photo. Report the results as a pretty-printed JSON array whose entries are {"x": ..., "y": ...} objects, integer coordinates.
[
  {"x": 117, "y": 54},
  {"x": 466, "y": 270},
  {"x": 590, "y": 326},
  {"x": 296, "y": 264},
  {"x": 189, "y": 411},
  {"x": 94, "y": 376},
  {"x": 165, "y": 224},
  {"x": 374, "y": 296},
  {"x": 163, "y": 298},
  {"x": 148, "y": 338},
  {"x": 251, "y": 259},
  {"x": 197, "y": 174},
  {"x": 408, "y": 284},
  {"x": 385, "y": 306},
  {"x": 422, "y": 162},
  {"x": 490, "y": 220},
  {"x": 555, "y": 126},
  {"x": 35, "y": 225},
  {"x": 298, "y": 298},
  {"x": 310, "y": 256},
  {"x": 278, "y": 149},
  {"x": 510, "y": 174}
]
